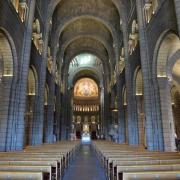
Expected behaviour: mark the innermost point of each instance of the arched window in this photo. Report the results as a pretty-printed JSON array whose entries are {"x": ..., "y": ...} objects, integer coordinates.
[
  {"x": 139, "y": 83},
  {"x": 166, "y": 65},
  {"x": 46, "y": 94},
  {"x": 8, "y": 62},
  {"x": 6, "y": 57},
  {"x": 168, "y": 47},
  {"x": 124, "y": 96},
  {"x": 31, "y": 86},
  {"x": 30, "y": 102},
  {"x": 140, "y": 106}
]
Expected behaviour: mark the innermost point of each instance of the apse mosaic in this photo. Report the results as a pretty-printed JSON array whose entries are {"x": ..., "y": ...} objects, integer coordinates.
[{"x": 86, "y": 87}]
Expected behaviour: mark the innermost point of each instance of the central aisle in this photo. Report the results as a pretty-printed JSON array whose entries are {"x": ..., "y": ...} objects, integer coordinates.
[{"x": 85, "y": 166}]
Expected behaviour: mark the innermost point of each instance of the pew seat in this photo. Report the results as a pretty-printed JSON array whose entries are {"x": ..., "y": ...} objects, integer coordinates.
[
  {"x": 144, "y": 168},
  {"x": 158, "y": 175},
  {"x": 11, "y": 175},
  {"x": 55, "y": 171},
  {"x": 115, "y": 164}
]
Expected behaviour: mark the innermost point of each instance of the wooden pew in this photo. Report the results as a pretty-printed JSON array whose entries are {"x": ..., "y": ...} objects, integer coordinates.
[
  {"x": 115, "y": 157},
  {"x": 145, "y": 168},
  {"x": 52, "y": 164},
  {"x": 58, "y": 172},
  {"x": 58, "y": 152},
  {"x": 136, "y": 162},
  {"x": 160, "y": 175},
  {"x": 47, "y": 171},
  {"x": 56, "y": 156},
  {"x": 110, "y": 160},
  {"x": 11, "y": 175}
]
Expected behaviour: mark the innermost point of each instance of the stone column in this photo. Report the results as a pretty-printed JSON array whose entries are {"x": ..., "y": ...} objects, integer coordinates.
[
  {"x": 38, "y": 122},
  {"x": 69, "y": 113},
  {"x": 106, "y": 107},
  {"x": 133, "y": 138},
  {"x": 58, "y": 114},
  {"x": 102, "y": 123},
  {"x": 64, "y": 109},
  {"x": 167, "y": 116},
  {"x": 50, "y": 114},
  {"x": 15, "y": 129},
  {"x": 154, "y": 135},
  {"x": 120, "y": 113}
]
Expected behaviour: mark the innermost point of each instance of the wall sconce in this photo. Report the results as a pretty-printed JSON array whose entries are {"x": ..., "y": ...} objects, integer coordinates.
[{"x": 114, "y": 109}]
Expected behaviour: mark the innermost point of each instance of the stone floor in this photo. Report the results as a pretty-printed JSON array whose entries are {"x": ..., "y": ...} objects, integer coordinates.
[{"x": 85, "y": 166}]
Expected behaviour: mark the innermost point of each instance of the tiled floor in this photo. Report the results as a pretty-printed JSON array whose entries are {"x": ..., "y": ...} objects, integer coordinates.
[{"x": 85, "y": 166}]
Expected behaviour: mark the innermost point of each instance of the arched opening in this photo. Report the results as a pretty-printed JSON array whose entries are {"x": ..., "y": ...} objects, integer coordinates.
[
  {"x": 175, "y": 100},
  {"x": 85, "y": 82},
  {"x": 140, "y": 105},
  {"x": 30, "y": 100},
  {"x": 124, "y": 95},
  {"x": 167, "y": 71},
  {"x": 6, "y": 57},
  {"x": 7, "y": 63},
  {"x": 86, "y": 107}
]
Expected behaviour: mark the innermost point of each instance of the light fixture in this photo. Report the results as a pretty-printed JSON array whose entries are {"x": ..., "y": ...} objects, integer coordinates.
[{"x": 114, "y": 109}]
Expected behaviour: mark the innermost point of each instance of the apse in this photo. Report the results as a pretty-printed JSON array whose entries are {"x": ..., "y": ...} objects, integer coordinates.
[
  {"x": 86, "y": 107},
  {"x": 86, "y": 88}
]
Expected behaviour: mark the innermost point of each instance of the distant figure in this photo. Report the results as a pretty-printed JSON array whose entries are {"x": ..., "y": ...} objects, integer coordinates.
[
  {"x": 93, "y": 135},
  {"x": 177, "y": 142},
  {"x": 78, "y": 134}
]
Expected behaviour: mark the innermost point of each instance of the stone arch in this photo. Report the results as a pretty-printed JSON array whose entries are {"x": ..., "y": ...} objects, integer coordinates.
[
  {"x": 32, "y": 88},
  {"x": 138, "y": 82},
  {"x": 53, "y": 5},
  {"x": 104, "y": 43},
  {"x": 8, "y": 71},
  {"x": 88, "y": 72},
  {"x": 32, "y": 81},
  {"x": 163, "y": 66},
  {"x": 98, "y": 23},
  {"x": 61, "y": 26},
  {"x": 175, "y": 102},
  {"x": 138, "y": 91},
  {"x": 6, "y": 56},
  {"x": 104, "y": 60},
  {"x": 169, "y": 45},
  {"x": 65, "y": 66},
  {"x": 82, "y": 8}
]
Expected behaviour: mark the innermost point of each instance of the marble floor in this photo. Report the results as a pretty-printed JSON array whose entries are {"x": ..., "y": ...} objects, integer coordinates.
[{"x": 85, "y": 166}]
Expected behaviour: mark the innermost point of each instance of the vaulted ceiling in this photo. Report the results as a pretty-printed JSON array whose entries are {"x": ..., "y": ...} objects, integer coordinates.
[{"x": 86, "y": 26}]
